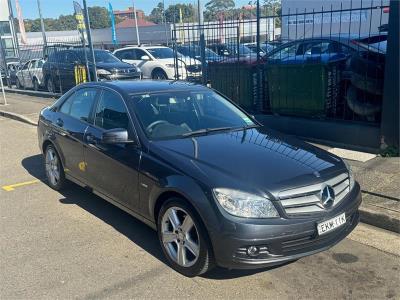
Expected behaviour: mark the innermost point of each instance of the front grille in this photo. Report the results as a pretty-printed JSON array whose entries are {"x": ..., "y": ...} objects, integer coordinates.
[{"x": 306, "y": 200}]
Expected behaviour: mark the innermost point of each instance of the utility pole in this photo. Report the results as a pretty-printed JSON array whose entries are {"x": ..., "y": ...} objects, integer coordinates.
[
  {"x": 136, "y": 25},
  {"x": 13, "y": 33},
  {"x": 89, "y": 37},
  {"x": 202, "y": 42},
  {"x": 165, "y": 22},
  {"x": 259, "y": 75},
  {"x": 42, "y": 24}
]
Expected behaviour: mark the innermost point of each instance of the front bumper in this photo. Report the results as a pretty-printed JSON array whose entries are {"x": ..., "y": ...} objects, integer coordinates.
[
  {"x": 132, "y": 76},
  {"x": 281, "y": 240}
]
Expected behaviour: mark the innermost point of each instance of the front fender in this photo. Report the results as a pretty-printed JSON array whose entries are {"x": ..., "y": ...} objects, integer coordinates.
[{"x": 200, "y": 198}]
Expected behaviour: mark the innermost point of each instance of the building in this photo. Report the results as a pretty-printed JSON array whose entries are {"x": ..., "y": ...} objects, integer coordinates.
[
  {"x": 313, "y": 18},
  {"x": 129, "y": 14},
  {"x": 7, "y": 33},
  {"x": 132, "y": 23}
]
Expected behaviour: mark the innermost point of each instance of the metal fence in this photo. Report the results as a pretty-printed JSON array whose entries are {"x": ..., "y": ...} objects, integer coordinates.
[
  {"x": 325, "y": 63},
  {"x": 24, "y": 69}
]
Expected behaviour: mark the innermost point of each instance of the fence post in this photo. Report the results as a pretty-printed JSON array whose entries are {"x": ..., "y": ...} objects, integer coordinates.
[
  {"x": 259, "y": 99},
  {"x": 390, "y": 103}
]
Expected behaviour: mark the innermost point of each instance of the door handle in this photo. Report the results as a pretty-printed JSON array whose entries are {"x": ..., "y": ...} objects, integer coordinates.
[{"x": 60, "y": 122}]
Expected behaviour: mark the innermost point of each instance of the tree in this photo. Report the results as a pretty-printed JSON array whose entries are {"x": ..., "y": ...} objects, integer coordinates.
[
  {"x": 214, "y": 8},
  {"x": 156, "y": 14},
  {"x": 172, "y": 13},
  {"x": 99, "y": 17}
]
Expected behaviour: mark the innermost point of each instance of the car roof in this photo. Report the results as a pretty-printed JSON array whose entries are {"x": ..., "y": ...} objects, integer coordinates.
[
  {"x": 148, "y": 86},
  {"x": 140, "y": 47}
]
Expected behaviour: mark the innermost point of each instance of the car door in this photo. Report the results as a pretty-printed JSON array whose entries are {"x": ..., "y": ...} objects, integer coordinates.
[
  {"x": 112, "y": 169},
  {"x": 24, "y": 73},
  {"x": 28, "y": 78},
  {"x": 70, "y": 123}
]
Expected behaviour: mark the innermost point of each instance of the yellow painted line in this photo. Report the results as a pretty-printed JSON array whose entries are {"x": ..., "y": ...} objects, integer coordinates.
[{"x": 12, "y": 187}]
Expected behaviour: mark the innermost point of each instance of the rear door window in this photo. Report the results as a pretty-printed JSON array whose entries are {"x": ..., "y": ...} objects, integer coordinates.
[{"x": 80, "y": 104}]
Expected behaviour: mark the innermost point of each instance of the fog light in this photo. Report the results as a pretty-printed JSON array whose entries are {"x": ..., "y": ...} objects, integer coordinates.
[{"x": 252, "y": 251}]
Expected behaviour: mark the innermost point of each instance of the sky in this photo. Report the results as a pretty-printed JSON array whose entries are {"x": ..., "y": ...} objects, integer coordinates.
[{"x": 54, "y": 8}]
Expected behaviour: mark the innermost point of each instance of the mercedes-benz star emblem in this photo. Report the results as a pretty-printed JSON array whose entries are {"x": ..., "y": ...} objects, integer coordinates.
[{"x": 327, "y": 196}]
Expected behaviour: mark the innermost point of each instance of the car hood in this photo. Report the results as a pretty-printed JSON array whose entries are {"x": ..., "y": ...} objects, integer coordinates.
[
  {"x": 114, "y": 66},
  {"x": 254, "y": 160}
]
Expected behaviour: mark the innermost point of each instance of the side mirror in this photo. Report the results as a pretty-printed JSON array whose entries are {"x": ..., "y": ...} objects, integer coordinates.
[
  {"x": 115, "y": 136},
  {"x": 145, "y": 57}
]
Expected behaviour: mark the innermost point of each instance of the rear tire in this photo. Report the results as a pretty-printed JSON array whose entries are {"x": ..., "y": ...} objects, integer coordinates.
[
  {"x": 54, "y": 169},
  {"x": 184, "y": 239}
]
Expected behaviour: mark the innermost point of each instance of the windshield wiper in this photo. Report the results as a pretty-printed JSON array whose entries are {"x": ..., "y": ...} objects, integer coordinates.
[
  {"x": 205, "y": 131},
  {"x": 246, "y": 127}
]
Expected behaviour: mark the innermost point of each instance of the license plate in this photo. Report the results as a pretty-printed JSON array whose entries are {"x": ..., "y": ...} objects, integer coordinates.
[{"x": 331, "y": 224}]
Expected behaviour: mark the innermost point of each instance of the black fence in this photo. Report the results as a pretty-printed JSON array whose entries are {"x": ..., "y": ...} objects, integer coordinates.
[
  {"x": 325, "y": 64},
  {"x": 24, "y": 65}
]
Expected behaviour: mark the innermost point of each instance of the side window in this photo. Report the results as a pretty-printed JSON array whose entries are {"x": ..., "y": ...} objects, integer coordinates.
[
  {"x": 34, "y": 64},
  {"x": 70, "y": 57},
  {"x": 26, "y": 66},
  {"x": 125, "y": 54},
  {"x": 139, "y": 53},
  {"x": 79, "y": 104},
  {"x": 111, "y": 112},
  {"x": 289, "y": 51}
]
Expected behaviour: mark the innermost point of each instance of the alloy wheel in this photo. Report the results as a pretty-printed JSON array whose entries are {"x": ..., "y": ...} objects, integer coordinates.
[
  {"x": 52, "y": 167},
  {"x": 180, "y": 237}
]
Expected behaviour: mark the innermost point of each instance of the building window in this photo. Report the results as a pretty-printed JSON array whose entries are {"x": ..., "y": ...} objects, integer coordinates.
[{"x": 5, "y": 27}]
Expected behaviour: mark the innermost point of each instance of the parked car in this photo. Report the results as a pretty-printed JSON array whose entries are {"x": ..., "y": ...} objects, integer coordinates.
[
  {"x": 253, "y": 48},
  {"x": 12, "y": 68},
  {"x": 194, "y": 51},
  {"x": 158, "y": 150},
  {"x": 31, "y": 75},
  {"x": 158, "y": 62},
  {"x": 231, "y": 50},
  {"x": 60, "y": 69},
  {"x": 362, "y": 60}
]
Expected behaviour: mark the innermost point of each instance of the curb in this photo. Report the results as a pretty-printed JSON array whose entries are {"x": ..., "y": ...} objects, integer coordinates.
[
  {"x": 32, "y": 93},
  {"x": 378, "y": 217},
  {"x": 17, "y": 117}
]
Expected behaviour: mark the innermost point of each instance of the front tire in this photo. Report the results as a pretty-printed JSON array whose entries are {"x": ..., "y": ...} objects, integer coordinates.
[
  {"x": 159, "y": 75},
  {"x": 54, "y": 169},
  {"x": 184, "y": 239}
]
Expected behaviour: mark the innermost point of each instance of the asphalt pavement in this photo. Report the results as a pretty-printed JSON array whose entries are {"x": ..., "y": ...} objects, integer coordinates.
[{"x": 75, "y": 245}]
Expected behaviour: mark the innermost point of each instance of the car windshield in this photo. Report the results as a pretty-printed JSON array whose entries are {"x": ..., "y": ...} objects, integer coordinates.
[
  {"x": 187, "y": 113},
  {"x": 160, "y": 53},
  {"x": 243, "y": 49},
  {"x": 105, "y": 57}
]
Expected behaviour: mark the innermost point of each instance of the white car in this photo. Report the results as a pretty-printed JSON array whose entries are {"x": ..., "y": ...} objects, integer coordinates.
[
  {"x": 31, "y": 75},
  {"x": 157, "y": 62}
]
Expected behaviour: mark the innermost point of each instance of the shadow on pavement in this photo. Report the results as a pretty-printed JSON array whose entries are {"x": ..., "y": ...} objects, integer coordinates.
[{"x": 135, "y": 230}]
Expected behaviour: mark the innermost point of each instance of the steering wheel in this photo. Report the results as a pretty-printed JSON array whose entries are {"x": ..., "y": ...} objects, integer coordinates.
[{"x": 150, "y": 128}]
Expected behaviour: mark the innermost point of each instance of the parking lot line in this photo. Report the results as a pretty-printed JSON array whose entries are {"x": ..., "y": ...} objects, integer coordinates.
[{"x": 12, "y": 187}]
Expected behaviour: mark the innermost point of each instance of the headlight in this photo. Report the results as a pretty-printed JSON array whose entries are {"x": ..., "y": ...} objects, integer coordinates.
[
  {"x": 243, "y": 204},
  {"x": 351, "y": 176},
  {"x": 103, "y": 72},
  {"x": 170, "y": 65}
]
